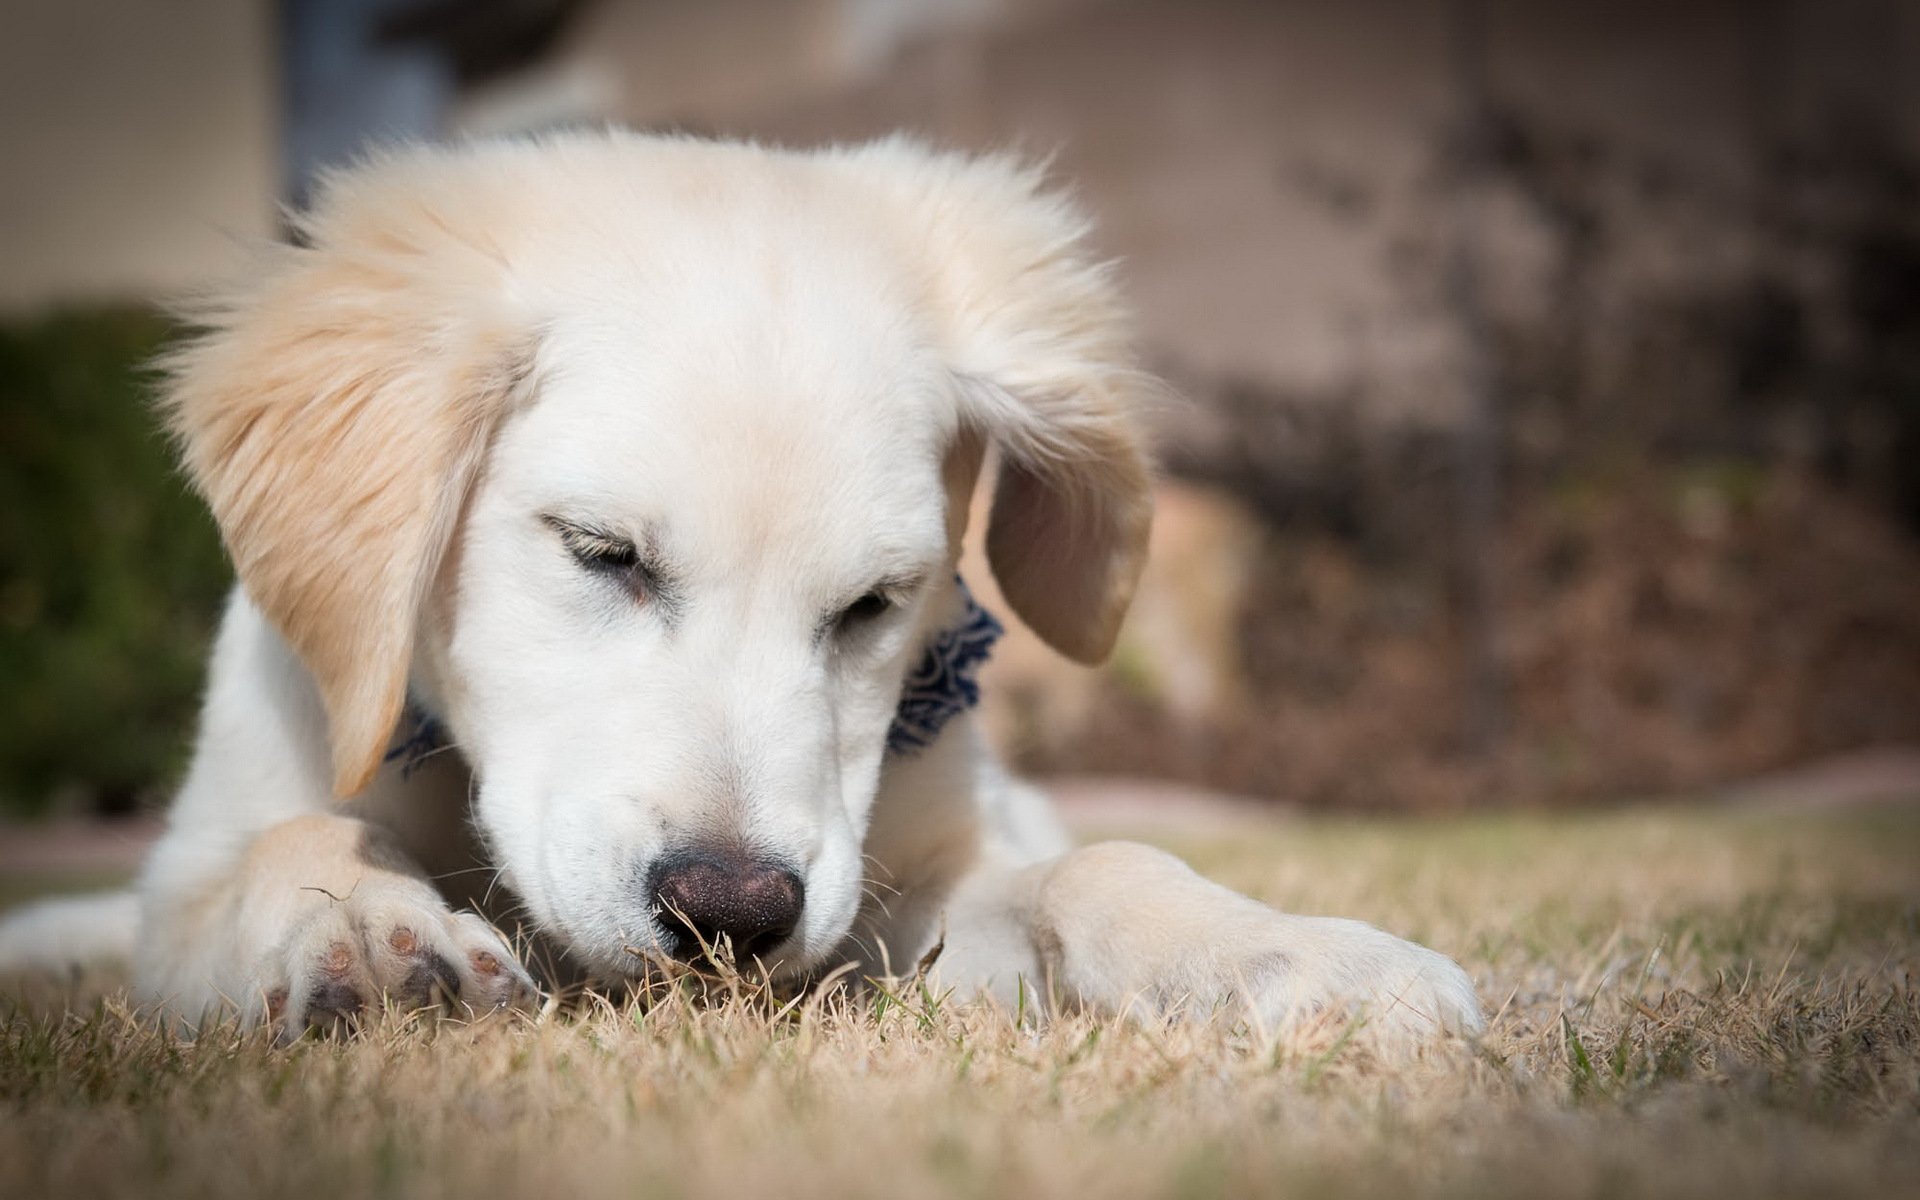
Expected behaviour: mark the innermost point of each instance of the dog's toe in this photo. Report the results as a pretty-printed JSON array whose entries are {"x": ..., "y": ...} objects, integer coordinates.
[
  {"x": 494, "y": 978},
  {"x": 328, "y": 987},
  {"x": 1403, "y": 991},
  {"x": 400, "y": 952}
]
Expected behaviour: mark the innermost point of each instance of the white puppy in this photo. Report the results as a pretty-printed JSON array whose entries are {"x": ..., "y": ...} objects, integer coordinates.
[{"x": 596, "y": 505}]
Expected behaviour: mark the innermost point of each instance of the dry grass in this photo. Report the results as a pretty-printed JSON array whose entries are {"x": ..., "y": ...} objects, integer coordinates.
[{"x": 1690, "y": 1003}]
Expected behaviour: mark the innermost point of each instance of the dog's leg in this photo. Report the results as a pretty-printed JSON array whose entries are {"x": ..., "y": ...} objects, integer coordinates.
[
  {"x": 267, "y": 899},
  {"x": 1125, "y": 928},
  {"x": 320, "y": 922}
]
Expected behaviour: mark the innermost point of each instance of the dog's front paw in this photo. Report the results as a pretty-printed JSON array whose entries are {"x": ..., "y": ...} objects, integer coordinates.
[
  {"x": 393, "y": 943},
  {"x": 322, "y": 924},
  {"x": 1285, "y": 970},
  {"x": 1127, "y": 927}
]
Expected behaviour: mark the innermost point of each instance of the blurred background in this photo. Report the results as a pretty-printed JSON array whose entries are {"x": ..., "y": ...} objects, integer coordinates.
[{"x": 1550, "y": 371}]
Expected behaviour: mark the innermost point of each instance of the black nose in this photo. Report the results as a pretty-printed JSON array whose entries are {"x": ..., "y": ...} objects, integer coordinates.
[{"x": 701, "y": 897}]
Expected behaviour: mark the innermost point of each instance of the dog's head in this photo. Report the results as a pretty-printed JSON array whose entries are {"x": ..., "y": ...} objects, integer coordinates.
[{"x": 645, "y": 464}]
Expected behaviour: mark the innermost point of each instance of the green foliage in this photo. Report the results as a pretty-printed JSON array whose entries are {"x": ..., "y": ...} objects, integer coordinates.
[{"x": 111, "y": 573}]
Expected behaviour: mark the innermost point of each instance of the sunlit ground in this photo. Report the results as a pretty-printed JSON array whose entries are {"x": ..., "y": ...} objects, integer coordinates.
[{"x": 1684, "y": 1002}]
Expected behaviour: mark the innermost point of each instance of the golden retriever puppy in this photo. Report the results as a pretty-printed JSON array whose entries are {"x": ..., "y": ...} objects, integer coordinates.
[{"x": 596, "y": 503}]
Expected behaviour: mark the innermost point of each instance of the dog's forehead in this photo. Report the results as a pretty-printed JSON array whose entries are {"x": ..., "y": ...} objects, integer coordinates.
[{"x": 808, "y": 413}]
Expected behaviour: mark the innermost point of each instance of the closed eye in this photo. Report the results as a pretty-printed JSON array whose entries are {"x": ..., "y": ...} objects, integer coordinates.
[
  {"x": 598, "y": 551},
  {"x": 870, "y": 607},
  {"x": 609, "y": 555},
  {"x": 866, "y": 608}
]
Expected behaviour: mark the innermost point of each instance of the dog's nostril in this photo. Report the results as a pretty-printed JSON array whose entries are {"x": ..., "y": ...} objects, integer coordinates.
[
  {"x": 704, "y": 897},
  {"x": 765, "y": 944}
]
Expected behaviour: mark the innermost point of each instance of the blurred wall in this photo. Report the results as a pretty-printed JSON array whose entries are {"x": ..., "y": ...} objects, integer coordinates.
[
  {"x": 138, "y": 141},
  {"x": 1700, "y": 226},
  {"x": 1267, "y": 168},
  {"x": 1271, "y": 170}
]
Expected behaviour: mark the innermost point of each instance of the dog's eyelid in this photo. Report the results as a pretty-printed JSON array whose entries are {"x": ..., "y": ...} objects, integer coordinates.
[
  {"x": 895, "y": 589},
  {"x": 880, "y": 598},
  {"x": 599, "y": 549},
  {"x": 588, "y": 541}
]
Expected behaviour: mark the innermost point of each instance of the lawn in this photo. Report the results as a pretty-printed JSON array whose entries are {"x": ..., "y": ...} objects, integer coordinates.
[{"x": 1684, "y": 1002}]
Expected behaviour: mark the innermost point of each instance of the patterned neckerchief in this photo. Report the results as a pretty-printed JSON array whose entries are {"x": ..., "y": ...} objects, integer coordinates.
[{"x": 942, "y": 686}]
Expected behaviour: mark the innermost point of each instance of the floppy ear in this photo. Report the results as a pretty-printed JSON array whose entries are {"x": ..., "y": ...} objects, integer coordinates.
[
  {"x": 332, "y": 411},
  {"x": 1034, "y": 329}
]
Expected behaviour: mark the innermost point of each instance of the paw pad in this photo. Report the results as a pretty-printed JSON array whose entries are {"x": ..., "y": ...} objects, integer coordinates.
[{"x": 339, "y": 959}]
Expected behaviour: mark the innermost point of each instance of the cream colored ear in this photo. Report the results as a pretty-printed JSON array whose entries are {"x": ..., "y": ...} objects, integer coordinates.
[
  {"x": 1034, "y": 329},
  {"x": 1068, "y": 541},
  {"x": 333, "y": 410}
]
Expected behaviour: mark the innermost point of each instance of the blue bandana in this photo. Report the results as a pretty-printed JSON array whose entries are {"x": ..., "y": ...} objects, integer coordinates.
[
  {"x": 943, "y": 686},
  {"x": 936, "y": 691}
]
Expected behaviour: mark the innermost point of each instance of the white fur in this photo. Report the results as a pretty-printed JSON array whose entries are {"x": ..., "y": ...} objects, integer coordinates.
[
  {"x": 53, "y": 935},
  {"x": 764, "y": 366}
]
